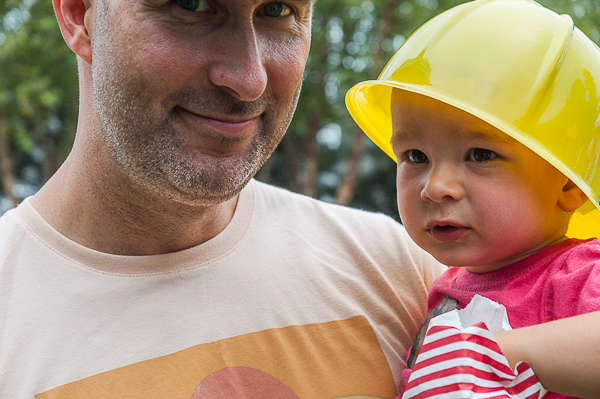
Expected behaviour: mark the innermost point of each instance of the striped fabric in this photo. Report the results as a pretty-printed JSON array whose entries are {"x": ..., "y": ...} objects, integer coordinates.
[{"x": 467, "y": 363}]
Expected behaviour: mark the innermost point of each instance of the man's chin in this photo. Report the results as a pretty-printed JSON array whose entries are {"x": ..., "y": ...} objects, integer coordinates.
[
  {"x": 184, "y": 176},
  {"x": 206, "y": 191},
  {"x": 204, "y": 199}
]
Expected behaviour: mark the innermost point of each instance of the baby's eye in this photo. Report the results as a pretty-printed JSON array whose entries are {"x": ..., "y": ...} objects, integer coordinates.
[
  {"x": 276, "y": 9},
  {"x": 194, "y": 5},
  {"x": 480, "y": 155},
  {"x": 416, "y": 156}
]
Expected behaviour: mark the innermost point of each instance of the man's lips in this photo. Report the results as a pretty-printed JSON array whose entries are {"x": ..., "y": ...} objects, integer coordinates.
[
  {"x": 228, "y": 125},
  {"x": 446, "y": 231}
]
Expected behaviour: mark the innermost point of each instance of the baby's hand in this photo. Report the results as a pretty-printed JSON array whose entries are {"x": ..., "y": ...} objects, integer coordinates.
[{"x": 467, "y": 363}]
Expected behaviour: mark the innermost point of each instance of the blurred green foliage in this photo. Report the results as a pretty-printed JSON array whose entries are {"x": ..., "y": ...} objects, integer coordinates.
[
  {"x": 38, "y": 91},
  {"x": 352, "y": 41}
]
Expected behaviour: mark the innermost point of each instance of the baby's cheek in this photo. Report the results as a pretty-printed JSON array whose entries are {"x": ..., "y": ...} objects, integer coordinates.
[
  {"x": 410, "y": 217},
  {"x": 513, "y": 224}
]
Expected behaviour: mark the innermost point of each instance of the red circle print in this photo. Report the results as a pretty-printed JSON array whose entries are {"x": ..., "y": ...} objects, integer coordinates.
[{"x": 242, "y": 383}]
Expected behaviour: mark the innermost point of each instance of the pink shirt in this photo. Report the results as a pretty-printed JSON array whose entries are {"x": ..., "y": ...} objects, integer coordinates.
[{"x": 560, "y": 281}]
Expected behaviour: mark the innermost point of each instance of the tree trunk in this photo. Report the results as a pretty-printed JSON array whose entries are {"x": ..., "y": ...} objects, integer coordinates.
[
  {"x": 264, "y": 173},
  {"x": 345, "y": 191},
  {"x": 291, "y": 160},
  {"x": 311, "y": 150}
]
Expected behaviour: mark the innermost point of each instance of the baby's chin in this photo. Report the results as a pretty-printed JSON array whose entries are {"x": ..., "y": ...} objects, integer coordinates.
[
  {"x": 458, "y": 253},
  {"x": 477, "y": 265}
]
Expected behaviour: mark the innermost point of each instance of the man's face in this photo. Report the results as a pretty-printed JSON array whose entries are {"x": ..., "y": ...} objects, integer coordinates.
[{"x": 194, "y": 95}]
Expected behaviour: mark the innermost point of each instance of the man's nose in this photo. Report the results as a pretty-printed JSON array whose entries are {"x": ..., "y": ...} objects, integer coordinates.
[
  {"x": 239, "y": 67},
  {"x": 442, "y": 184}
]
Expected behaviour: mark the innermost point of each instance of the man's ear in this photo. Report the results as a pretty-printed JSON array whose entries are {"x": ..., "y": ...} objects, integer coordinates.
[
  {"x": 75, "y": 18},
  {"x": 571, "y": 197}
]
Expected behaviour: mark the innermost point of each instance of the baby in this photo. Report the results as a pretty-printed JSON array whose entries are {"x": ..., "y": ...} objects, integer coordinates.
[{"x": 492, "y": 112}]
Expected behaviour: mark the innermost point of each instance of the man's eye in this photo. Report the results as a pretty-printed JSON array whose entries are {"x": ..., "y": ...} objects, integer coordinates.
[
  {"x": 277, "y": 10},
  {"x": 194, "y": 5},
  {"x": 416, "y": 156},
  {"x": 480, "y": 155}
]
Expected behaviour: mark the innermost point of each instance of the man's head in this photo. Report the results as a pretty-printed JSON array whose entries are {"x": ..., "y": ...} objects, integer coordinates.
[{"x": 189, "y": 96}]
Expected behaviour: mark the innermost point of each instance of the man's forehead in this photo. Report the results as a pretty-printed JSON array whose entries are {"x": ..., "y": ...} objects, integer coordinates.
[
  {"x": 304, "y": 8},
  {"x": 297, "y": 3}
]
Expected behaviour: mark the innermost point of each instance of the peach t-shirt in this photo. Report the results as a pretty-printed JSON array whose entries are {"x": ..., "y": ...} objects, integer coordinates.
[{"x": 295, "y": 297}]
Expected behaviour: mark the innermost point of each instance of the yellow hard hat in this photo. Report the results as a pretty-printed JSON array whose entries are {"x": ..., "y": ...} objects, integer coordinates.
[{"x": 514, "y": 64}]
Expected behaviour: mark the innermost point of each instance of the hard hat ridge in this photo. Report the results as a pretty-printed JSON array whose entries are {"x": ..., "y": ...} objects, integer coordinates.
[{"x": 550, "y": 65}]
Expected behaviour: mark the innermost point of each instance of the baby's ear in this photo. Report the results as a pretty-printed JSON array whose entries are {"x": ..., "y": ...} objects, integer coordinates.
[{"x": 571, "y": 197}]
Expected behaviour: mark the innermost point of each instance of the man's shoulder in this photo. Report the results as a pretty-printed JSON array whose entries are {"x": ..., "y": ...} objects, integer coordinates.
[
  {"x": 13, "y": 233},
  {"x": 10, "y": 222},
  {"x": 343, "y": 231},
  {"x": 281, "y": 202},
  {"x": 281, "y": 197},
  {"x": 332, "y": 225}
]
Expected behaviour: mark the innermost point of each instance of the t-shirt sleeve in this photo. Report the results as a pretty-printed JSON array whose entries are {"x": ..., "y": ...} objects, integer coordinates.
[
  {"x": 574, "y": 288},
  {"x": 429, "y": 268}
]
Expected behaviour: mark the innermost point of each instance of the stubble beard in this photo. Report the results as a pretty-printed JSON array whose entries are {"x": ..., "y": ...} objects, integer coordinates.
[{"x": 144, "y": 143}]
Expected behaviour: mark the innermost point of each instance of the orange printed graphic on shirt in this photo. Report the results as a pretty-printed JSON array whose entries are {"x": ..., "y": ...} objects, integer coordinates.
[{"x": 334, "y": 360}]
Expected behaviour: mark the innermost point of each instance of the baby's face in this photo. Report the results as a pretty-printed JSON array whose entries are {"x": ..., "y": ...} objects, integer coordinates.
[{"x": 468, "y": 193}]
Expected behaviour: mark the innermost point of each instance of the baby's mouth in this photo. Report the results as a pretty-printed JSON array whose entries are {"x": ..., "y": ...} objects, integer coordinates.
[{"x": 448, "y": 232}]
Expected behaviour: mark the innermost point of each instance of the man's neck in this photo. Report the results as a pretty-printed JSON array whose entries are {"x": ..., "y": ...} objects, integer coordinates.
[{"x": 103, "y": 210}]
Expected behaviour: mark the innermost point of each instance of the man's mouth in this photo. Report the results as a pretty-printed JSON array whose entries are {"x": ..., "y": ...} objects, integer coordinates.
[{"x": 228, "y": 125}]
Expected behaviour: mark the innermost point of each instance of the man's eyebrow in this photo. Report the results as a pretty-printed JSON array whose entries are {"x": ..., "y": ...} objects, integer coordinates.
[
  {"x": 309, "y": 2},
  {"x": 303, "y": 3}
]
